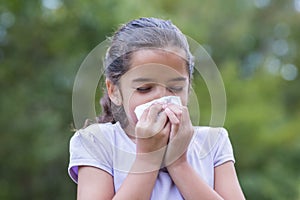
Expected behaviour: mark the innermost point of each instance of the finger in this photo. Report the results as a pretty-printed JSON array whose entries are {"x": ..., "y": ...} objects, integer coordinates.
[
  {"x": 172, "y": 117},
  {"x": 144, "y": 115},
  {"x": 154, "y": 111},
  {"x": 157, "y": 118},
  {"x": 176, "y": 109},
  {"x": 174, "y": 130},
  {"x": 167, "y": 129},
  {"x": 185, "y": 114},
  {"x": 160, "y": 122}
]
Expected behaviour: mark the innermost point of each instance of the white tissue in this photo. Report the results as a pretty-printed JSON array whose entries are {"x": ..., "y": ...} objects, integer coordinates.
[{"x": 168, "y": 99}]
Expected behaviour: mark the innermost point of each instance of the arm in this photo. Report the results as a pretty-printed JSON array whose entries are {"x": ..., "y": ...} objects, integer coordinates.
[
  {"x": 192, "y": 186},
  {"x": 226, "y": 182},
  {"x": 94, "y": 183},
  {"x": 137, "y": 186},
  {"x": 152, "y": 133}
]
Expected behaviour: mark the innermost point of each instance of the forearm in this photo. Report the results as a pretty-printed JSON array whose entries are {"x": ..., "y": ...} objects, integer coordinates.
[
  {"x": 191, "y": 186},
  {"x": 137, "y": 186},
  {"x": 140, "y": 181}
]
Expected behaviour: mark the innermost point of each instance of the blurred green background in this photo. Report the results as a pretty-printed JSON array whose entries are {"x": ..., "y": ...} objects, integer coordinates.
[{"x": 254, "y": 43}]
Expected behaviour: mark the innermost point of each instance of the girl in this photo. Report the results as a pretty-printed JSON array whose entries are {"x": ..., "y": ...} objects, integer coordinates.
[{"x": 160, "y": 155}]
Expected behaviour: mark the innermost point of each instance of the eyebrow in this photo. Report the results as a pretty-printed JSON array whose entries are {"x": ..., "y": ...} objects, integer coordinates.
[
  {"x": 143, "y": 80},
  {"x": 177, "y": 79},
  {"x": 153, "y": 80}
]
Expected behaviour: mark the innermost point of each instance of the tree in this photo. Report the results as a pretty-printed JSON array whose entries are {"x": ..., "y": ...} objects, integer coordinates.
[{"x": 254, "y": 44}]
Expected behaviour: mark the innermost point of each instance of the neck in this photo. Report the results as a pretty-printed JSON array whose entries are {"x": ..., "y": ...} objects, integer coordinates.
[{"x": 130, "y": 131}]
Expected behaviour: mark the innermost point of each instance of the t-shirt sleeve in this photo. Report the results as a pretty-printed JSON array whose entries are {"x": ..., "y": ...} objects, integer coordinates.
[
  {"x": 224, "y": 151},
  {"x": 89, "y": 147}
]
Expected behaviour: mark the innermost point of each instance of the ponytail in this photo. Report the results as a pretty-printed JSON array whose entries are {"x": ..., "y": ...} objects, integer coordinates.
[
  {"x": 111, "y": 112},
  {"x": 106, "y": 115}
]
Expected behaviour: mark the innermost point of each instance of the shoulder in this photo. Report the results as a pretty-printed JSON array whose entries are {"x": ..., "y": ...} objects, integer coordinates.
[
  {"x": 204, "y": 133},
  {"x": 99, "y": 128},
  {"x": 93, "y": 131},
  {"x": 91, "y": 146},
  {"x": 93, "y": 139},
  {"x": 208, "y": 139}
]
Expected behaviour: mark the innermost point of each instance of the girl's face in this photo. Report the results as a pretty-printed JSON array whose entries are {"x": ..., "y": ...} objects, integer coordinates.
[{"x": 153, "y": 74}]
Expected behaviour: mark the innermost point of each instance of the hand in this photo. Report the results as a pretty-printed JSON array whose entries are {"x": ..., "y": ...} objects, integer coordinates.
[
  {"x": 152, "y": 134},
  {"x": 180, "y": 136},
  {"x": 152, "y": 130}
]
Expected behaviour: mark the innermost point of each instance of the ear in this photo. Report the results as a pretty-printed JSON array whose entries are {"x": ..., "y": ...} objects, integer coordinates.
[{"x": 113, "y": 92}]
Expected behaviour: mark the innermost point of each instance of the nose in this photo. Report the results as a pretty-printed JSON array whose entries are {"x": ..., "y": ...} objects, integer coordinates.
[{"x": 162, "y": 91}]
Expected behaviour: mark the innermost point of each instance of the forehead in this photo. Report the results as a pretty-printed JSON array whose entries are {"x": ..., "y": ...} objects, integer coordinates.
[
  {"x": 160, "y": 65},
  {"x": 169, "y": 57}
]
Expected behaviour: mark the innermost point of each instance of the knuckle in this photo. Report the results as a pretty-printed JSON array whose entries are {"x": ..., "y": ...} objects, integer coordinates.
[
  {"x": 184, "y": 109},
  {"x": 156, "y": 107}
]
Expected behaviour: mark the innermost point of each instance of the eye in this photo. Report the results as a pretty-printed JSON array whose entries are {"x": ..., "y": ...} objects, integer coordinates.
[
  {"x": 175, "y": 88},
  {"x": 143, "y": 89}
]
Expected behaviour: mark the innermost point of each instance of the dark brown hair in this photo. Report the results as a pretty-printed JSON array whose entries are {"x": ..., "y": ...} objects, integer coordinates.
[{"x": 135, "y": 35}]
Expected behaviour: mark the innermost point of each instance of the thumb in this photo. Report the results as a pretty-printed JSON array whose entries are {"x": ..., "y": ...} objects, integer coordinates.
[{"x": 174, "y": 130}]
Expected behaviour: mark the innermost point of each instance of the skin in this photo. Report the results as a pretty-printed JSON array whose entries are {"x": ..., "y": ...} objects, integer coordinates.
[{"x": 162, "y": 135}]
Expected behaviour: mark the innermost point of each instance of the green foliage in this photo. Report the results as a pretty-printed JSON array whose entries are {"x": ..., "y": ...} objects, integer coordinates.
[{"x": 252, "y": 42}]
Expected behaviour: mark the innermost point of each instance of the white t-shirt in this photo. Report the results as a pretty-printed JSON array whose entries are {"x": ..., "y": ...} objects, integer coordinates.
[{"x": 107, "y": 147}]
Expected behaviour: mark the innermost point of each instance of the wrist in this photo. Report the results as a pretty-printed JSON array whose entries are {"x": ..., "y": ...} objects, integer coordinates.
[
  {"x": 178, "y": 165},
  {"x": 148, "y": 162}
]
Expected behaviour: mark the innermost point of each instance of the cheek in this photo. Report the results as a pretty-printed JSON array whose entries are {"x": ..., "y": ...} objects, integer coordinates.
[
  {"x": 184, "y": 97},
  {"x": 136, "y": 100},
  {"x": 130, "y": 106},
  {"x": 132, "y": 114}
]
